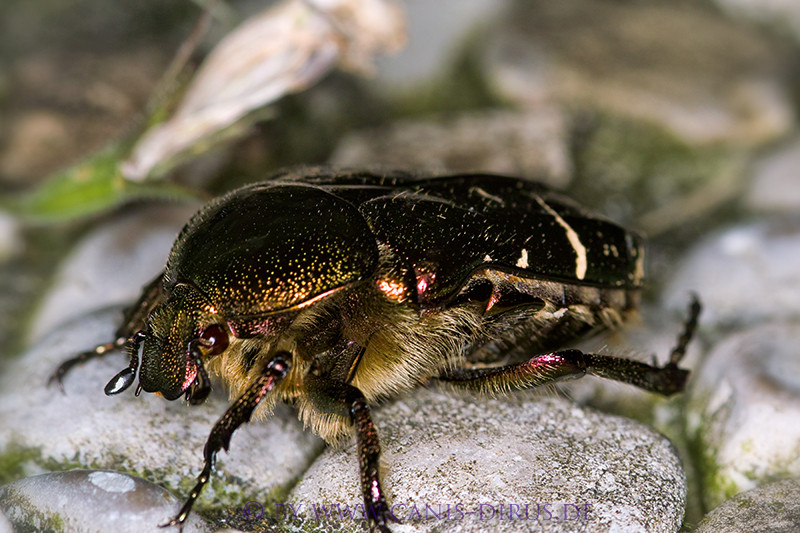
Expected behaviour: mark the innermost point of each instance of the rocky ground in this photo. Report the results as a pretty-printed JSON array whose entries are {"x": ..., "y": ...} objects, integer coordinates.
[{"x": 674, "y": 118}]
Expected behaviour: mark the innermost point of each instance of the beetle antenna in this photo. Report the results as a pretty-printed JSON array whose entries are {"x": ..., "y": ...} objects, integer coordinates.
[{"x": 125, "y": 378}]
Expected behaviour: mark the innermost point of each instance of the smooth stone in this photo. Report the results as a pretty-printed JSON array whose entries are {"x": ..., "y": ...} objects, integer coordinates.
[
  {"x": 774, "y": 187},
  {"x": 88, "y": 501},
  {"x": 161, "y": 441},
  {"x": 441, "y": 449},
  {"x": 743, "y": 275},
  {"x": 743, "y": 409},
  {"x": 706, "y": 79},
  {"x": 111, "y": 264},
  {"x": 771, "y": 508},
  {"x": 5, "y": 523}
]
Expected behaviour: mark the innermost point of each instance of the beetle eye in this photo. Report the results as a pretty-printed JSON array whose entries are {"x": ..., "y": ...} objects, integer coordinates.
[{"x": 215, "y": 339}]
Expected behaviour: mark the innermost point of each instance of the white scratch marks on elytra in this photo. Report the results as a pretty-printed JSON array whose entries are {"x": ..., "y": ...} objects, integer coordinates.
[{"x": 572, "y": 236}]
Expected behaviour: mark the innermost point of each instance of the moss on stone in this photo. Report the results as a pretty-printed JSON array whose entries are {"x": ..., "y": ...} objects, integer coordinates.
[
  {"x": 36, "y": 521},
  {"x": 715, "y": 486}
]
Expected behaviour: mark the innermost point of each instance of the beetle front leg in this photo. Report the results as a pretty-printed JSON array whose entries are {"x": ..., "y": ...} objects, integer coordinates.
[
  {"x": 340, "y": 398},
  {"x": 236, "y": 415},
  {"x": 101, "y": 350},
  {"x": 128, "y": 332}
]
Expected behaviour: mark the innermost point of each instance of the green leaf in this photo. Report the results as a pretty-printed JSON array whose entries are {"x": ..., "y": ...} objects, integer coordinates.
[{"x": 91, "y": 187}]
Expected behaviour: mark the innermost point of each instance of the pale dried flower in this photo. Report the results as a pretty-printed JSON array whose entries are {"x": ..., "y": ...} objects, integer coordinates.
[{"x": 282, "y": 50}]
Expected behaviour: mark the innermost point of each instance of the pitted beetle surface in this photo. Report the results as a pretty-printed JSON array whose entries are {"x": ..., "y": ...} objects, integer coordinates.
[{"x": 334, "y": 290}]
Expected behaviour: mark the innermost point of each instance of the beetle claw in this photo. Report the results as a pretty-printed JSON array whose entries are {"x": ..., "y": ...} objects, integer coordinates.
[{"x": 56, "y": 379}]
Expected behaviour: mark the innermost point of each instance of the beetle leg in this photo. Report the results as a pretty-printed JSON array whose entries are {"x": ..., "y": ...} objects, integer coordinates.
[
  {"x": 57, "y": 377},
  {"x": 340, "y": 398},
  {"x": 665, "y": 380},
  {"x": 237, "y": 414},
  {"x": 369, "y": 451},
  {"x": 689, "y": 327},
  {"x": 133, "y": 322},
  {"x": 551, "y": 367}
]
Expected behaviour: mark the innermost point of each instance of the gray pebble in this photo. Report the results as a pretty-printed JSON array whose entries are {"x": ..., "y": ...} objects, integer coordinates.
[
  {"x": 88, "y": 501},
  {"x": 743, "y": 409},
  {"x": 771, "y": 508},
  {"x": 470, "y": 455},
  {"x": 743, "y": 275},
  {"x": 5, "y": 523},
  {"x": 775, "y": 187}
]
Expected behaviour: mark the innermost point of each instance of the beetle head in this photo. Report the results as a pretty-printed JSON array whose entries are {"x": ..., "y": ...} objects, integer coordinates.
[{"x": 180, "y": 333}]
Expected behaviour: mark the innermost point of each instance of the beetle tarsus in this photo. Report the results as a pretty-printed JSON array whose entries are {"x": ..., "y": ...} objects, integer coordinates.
[
  {"x": 689, "y": 328},
  {"x": 57, "y": 377},
  {"x": 236, "y": 415}
]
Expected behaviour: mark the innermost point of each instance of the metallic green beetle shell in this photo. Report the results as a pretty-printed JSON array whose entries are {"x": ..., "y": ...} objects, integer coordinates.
[
  {"x": 278, "y": 244},
  {"x": 265, "y": 248},
  {"x": 446, "y": 227}
]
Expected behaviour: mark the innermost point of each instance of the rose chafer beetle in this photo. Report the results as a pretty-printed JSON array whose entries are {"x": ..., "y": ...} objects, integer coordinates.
[{"x": 334, "y": 290}]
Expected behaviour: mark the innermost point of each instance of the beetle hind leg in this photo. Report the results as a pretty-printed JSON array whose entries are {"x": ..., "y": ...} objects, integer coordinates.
[
  {"x": 689, "y": 328},
  {"x": 666, "y": 380},
  {"x": 571, "y": 364}
]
